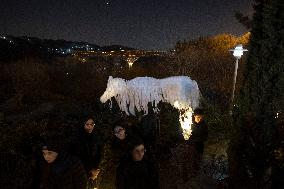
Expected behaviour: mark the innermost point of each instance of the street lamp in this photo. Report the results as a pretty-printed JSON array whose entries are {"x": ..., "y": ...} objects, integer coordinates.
[{"x": 238, "y": 51}]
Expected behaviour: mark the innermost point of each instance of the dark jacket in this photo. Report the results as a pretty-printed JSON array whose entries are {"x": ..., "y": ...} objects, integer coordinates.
[
  {"x": 88, "y": 148},
  {"x": 65, "y": 172},
  {"x": 120, "y": 149},
  {"x": 137, "y": 175},
  {"x": 199, "y": 135}
]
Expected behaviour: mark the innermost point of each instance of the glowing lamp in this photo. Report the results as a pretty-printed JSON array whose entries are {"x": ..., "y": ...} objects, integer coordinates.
[{"x": 238, "y": 51}]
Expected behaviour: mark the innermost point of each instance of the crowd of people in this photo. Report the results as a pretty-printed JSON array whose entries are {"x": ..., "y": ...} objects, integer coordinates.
[{"x": 77, "y": 165}]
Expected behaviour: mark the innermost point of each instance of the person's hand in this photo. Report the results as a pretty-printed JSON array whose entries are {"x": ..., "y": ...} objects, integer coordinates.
[{"x": 94, "y": 173}]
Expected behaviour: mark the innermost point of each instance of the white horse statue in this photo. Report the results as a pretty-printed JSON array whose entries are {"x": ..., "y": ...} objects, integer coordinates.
[{"x": 180, "y": 91}]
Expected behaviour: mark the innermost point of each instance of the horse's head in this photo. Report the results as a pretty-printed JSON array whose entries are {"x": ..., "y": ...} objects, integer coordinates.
[{"x": 114, "y": 88}]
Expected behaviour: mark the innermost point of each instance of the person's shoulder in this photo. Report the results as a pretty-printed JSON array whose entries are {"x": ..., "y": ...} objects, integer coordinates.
[
  {"x": 98, "y": 135},
  {"x": 205, "y": 124},
  {"x": 149, "y": 162},
  {"x": 75, "y": 162},
  {"x": 75, "y": 168},
  {"x": 115, "y": 143},
  {"x": 121, "y": 167},
  {"x": 79, "y": 134},
  {"x": 124, "y": 162}
]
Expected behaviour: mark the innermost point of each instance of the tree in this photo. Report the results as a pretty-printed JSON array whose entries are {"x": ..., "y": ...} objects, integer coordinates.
[
  {"x": 262, "y": 95},
  {"x": 208, "y": 61}
]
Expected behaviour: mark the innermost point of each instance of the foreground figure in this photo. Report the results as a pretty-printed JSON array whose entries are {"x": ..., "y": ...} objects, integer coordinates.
[
  {"x": 277, "y": 175},
  {"x": 59, "y": 170},
  {"x": 137, "y": 172},
  {"x": 199, "y": 131},
  {"x": 195, "y": 145},
  {"x": 88, "y": 147}
]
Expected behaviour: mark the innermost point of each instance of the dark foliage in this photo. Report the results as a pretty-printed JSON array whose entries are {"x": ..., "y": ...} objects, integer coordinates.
[{"x": 261, "y": 99}]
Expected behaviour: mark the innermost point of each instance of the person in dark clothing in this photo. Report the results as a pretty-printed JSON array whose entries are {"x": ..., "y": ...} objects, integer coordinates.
[
  {"x": 137, "y": 172},
  {"x": 120, "y": 145},
  {"x": 88, "y": 147},
  {"x": 60, "y": 170},
  {"x": 199, "y": 131},
  {"x": 277, "y": 172},
  {"x": 195, "y": 145}
]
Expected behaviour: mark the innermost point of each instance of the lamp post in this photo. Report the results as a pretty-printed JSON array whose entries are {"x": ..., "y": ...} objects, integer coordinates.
[{"x": 238, "y": 51}]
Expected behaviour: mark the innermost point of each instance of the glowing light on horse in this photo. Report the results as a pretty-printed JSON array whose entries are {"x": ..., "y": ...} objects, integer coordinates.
[{"x": 179, "y": 91}]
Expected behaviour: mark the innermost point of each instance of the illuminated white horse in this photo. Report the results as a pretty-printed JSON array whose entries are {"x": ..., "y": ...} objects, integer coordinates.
[{"x": 180, "y": 91}]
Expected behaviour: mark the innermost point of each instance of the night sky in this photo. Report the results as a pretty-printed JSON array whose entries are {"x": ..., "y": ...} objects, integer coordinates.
[{"x": 145, "y": 24}]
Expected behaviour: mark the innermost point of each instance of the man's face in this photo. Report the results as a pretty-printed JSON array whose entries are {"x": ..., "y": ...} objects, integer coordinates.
[
  {"x": 198, "y": 118},
  {"x": 89, "y": 126},
  {"x": 49, "y": 156},
  {"x": 119, "y": 132},
  {"x": 279, "y": 154},
  {"x": 138, "y": 152}
]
